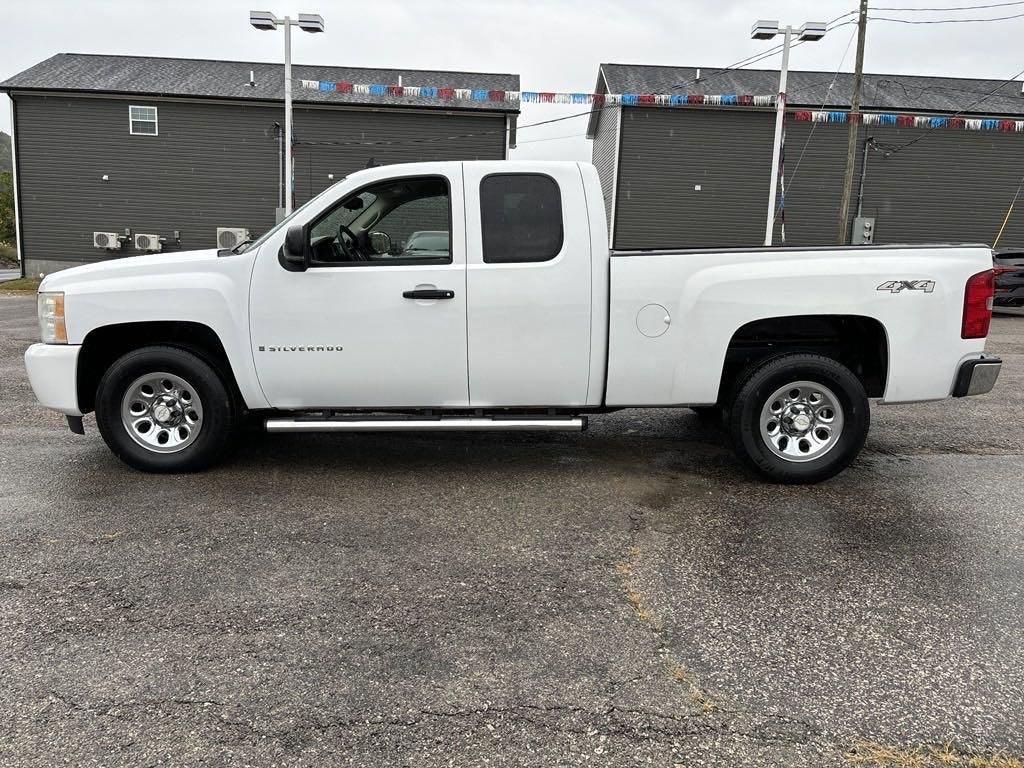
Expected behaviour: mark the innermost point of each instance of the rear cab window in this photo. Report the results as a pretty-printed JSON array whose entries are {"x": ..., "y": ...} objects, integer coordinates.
[{"x": 521, "y": 218}]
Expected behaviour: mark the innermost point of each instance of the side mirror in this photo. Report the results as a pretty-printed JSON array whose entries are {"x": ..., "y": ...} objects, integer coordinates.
[
  {"x": 380, "y": 243},
  {"x": 295, "y": 254}
]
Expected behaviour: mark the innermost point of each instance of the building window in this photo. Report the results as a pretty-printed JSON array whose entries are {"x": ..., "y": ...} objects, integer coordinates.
[
  {"x": 521, "y": 218},
  {"x": 142, "y": 120}
]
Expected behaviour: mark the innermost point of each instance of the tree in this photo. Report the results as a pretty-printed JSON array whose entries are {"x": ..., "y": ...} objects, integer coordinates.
[
  {"x": 7, "y": 229},
  {"x": 6, "y": 153}
]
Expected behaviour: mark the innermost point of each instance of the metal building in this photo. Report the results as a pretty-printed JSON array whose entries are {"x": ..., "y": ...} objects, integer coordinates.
[
  {"x": 942, "y": 160},
  {"x": 180, "y": 148}
]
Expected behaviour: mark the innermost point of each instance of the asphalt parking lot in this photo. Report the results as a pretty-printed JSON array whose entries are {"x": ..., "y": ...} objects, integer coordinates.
[{"x": 628, "y": 596}]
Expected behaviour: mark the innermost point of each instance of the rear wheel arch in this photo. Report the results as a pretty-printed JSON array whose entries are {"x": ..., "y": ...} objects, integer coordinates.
[
  {"x": 857, "y": 342},
  {"x": 104, "y": 345}
]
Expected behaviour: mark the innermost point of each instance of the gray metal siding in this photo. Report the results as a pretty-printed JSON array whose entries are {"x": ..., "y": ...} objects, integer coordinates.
[
  {"x": 211, "y": 165},
  {"x": 666, "y": 154},
  {"x": 605, "y": 154},
  {"x": 951, "y": 186},
  {"x": 417, "y": 137}
]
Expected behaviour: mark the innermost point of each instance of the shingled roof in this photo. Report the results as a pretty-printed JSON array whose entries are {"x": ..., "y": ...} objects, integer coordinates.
[
  {"x": 908, "y": 93},
  {"x": 210, "y": 78}
]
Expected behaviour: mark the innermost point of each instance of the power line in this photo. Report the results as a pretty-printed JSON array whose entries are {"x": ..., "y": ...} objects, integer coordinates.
[
  {"x": 814, "y": 125},
  {"x": 551, "y": 138},
  {"x": 904, "y": 86},
  {"x": 943, "y": 21},
  {"x": 389, "y": 143},
  {"x": 762, "y": 55},
  {"x": 952, "y": 8},
  {"x": 955, "y": 114}
]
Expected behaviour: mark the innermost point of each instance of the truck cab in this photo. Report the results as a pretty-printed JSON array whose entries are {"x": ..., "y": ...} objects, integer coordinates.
[{"x": 515, "y": 289}]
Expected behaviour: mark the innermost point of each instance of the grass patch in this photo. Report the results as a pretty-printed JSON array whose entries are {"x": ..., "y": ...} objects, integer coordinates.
[
  {"x": 21, "y": 285},
  {"x": 869, "y": 753},
  {"x": 644, "y": 613}
]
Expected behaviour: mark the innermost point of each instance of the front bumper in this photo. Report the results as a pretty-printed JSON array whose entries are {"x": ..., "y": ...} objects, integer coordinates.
[
  {"x": 976, "y": 377},
  {"x": 53, "y": 374}
]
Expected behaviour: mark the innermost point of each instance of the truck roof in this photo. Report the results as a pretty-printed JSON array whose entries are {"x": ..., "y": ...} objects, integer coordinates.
[{"x": 512, "y": 166}]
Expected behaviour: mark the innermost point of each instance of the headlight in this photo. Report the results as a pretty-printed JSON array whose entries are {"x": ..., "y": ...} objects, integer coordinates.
[{"x": 51, "y": 318}]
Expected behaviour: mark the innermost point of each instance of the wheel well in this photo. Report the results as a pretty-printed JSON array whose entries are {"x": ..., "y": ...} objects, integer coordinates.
[
  {"x": 102, "y": 346},
  {"x": 859, "y": 343}
]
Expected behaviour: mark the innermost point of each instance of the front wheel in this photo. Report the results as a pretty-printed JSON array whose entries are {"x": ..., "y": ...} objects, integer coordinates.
[
  {"x": 164, "y": 409},
  {"x": 799, "y": 418}
]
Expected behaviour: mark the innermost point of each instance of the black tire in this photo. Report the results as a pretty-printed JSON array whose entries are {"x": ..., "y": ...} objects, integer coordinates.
[
  {"x": 762, "y": 381},
  {"x": 218, "y": 411}
]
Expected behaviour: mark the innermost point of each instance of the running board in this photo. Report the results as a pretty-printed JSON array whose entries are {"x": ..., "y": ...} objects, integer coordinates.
[{"x": 449, "y": 424}]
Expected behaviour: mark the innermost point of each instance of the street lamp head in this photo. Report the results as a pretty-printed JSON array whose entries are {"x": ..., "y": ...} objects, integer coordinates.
[
  {"x": 262, "y": 20},
  {"x": 311, "y": 22},
  {"x": 812, "y": 30},
  {"x": 764, "y": 30}
]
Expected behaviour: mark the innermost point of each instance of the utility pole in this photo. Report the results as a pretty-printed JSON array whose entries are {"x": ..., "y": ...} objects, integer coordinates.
[{"x": 851, "y": 140}]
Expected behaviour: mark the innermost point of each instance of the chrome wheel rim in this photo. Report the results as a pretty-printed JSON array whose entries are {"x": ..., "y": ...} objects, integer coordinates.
[
  {"x": 801, "y": 421},
  {"x": 162, "y": 412}
]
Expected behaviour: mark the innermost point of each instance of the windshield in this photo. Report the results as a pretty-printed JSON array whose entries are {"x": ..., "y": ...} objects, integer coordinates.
[{"x": 287, "y": 220}]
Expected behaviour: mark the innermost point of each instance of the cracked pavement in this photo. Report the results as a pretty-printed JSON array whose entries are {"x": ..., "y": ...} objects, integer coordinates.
[{"x": 628, "y": 596}]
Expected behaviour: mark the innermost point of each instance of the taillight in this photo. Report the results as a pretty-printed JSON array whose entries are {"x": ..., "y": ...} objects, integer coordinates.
[{"x": 978, "y": 305}]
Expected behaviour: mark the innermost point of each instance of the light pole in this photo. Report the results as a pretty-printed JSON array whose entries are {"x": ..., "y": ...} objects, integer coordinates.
[
  {"x": 307, "y": 22},
  {"x": 766, "y": 30}
]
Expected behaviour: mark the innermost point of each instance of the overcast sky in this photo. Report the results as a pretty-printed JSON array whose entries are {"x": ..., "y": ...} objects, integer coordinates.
[{"x": 554, "y": 45}]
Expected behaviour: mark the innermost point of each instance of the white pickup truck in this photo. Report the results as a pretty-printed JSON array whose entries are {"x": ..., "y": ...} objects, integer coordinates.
[{"x": 506, "y": 311}]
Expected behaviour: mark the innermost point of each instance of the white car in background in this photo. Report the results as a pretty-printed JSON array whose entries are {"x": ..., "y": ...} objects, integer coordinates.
[{"x": 428, "y": 242}]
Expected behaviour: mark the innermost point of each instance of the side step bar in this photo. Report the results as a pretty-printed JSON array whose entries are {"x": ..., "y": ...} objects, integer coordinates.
[{"x": 452, "y": 424}]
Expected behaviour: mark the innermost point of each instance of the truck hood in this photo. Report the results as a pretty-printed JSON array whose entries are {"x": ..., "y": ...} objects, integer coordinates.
[{"x": 129, "y": 266}]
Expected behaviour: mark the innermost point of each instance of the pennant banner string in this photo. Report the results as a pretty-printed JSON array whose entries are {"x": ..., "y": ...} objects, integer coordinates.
[
  {"x": 537, "y": 97},
  {"x": 663, "y": 99},
  {"x": 910, "y": 121}
]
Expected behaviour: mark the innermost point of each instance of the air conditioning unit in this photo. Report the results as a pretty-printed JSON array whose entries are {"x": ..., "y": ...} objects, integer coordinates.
[
  {"x": 111, "y": 241},
  {"x": 148, "y": 243},
  {"x": 229, "y": 237}
]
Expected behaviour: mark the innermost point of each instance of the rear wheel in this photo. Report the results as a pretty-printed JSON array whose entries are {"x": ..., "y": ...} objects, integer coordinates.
[
  {"x": 799, "y": 418},
  {"x": 164, "y": 409}
]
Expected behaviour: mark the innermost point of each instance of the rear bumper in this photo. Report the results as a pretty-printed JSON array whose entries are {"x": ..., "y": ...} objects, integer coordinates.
[
  {"x": 977, "y": 377},
  {"x": 53, "y": 374}
]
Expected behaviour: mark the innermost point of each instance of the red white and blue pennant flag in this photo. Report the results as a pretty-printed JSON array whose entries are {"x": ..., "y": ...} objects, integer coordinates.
[
  {"x": 910, "y": 121},
  {"x": 538, "y": 97},
  {"x": 663, "y": 99}
]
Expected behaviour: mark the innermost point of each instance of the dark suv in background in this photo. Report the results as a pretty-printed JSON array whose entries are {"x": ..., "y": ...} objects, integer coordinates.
[{"x": 1009, "y": 296}]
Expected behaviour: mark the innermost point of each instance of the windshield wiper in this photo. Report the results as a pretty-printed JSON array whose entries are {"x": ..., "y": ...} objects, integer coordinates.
[{"x": 241, "y": 245}]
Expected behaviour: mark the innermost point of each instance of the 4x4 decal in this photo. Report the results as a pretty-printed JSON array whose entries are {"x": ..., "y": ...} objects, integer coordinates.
[{"x": 898, "y": 286}]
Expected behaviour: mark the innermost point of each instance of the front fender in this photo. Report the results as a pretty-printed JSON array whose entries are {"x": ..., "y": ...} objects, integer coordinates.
[{"x": 206, "y": 290}]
